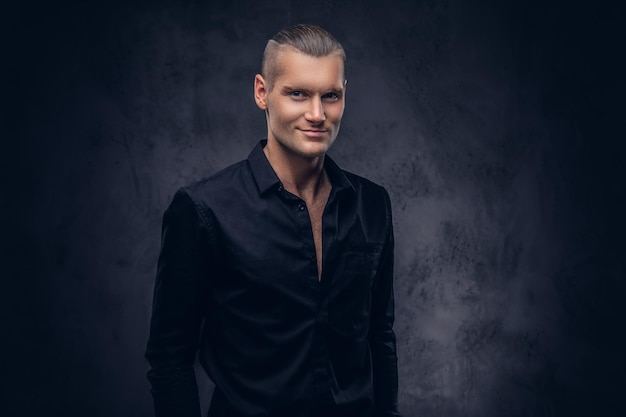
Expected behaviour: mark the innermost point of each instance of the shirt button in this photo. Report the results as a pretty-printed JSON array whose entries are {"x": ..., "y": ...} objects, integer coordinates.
[
  {"x": 301, "y": 207},
  {"x": 280, "y": 187}
]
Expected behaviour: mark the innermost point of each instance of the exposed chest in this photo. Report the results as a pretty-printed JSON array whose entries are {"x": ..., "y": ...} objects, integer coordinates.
[{"x": 316, "y": 212}]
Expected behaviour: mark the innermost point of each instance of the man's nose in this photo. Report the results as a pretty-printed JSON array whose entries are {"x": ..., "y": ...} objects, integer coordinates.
[{"x": 315, "y": 113}]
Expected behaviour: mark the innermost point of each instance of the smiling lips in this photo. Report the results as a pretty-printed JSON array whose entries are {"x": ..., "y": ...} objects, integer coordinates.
[{"x": 314, "y": 133}]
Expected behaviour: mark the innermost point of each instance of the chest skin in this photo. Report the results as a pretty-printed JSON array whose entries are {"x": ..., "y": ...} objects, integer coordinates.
[{"x": 316, "y": 211}]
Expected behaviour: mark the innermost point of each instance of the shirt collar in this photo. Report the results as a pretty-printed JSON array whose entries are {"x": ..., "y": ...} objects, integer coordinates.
[
  {"x": 266, "y": 178},
  {"x": 262, "y": 171},
  {"x": 337, "y": 177}
]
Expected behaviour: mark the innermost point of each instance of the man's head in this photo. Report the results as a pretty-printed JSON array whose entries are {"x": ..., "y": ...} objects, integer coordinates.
[
  {"x": 308, "y": 39},
  {"x": 302, "y": 90}
]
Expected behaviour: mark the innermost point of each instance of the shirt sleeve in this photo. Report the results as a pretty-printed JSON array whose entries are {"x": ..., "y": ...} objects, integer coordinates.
[
  {"x": 177, "y": 313},
  {"x": 382, "y": 336}
]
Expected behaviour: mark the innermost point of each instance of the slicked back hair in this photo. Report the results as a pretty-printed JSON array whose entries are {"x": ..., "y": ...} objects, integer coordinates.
[{"x": 309, "y": 39}]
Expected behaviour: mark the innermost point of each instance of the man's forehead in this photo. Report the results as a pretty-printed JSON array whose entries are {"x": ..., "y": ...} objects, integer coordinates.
[
  {"x": 296, "y": 66},
  {"x": 287, "y": 52}
]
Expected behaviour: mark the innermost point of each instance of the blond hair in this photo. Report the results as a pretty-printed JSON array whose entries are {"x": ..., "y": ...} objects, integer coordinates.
[{"x": 309, "y": 39}]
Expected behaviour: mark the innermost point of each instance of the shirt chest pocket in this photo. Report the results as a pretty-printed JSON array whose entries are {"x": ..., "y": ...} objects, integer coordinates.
[
  {"x": 352, "y": 285},
  {"x": 360, "y": 263}
]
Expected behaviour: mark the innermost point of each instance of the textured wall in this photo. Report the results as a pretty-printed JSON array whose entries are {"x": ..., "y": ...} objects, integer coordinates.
[{"x": 494, "y": 127}]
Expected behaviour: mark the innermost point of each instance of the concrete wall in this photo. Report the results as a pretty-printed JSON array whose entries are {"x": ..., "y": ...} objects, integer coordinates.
[{"x": 494, "y": 127}]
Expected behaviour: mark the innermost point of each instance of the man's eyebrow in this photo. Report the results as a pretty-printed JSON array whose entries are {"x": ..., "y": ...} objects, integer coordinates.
[{"x": 334, "y": 89}]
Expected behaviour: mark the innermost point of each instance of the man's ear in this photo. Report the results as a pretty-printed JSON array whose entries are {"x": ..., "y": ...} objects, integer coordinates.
[{"x": 260, "y": 92}]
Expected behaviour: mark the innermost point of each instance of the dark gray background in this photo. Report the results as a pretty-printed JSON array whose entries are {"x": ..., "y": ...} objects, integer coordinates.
[{"x": 495, "y": 126}]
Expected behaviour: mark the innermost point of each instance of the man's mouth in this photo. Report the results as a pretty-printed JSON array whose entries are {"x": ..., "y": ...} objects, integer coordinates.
[{"x": 314, "y": 132}]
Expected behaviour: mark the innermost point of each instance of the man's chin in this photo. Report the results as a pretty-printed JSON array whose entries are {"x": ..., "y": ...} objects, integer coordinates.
[
  {"x": 313, "y": 150},
  {"x": 305, "y": 147}
]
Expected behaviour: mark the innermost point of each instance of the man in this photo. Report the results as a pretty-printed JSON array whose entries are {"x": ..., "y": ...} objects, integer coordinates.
[{"x": 278, "y": 269}]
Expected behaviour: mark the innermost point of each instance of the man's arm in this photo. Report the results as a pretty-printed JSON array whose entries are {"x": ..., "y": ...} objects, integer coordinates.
[
  {"x": 382, "y": 337},
  {"x": 177, "y": 309}
]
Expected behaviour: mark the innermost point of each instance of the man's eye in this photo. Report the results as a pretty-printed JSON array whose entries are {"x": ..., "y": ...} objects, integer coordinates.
[
  {"x": 297, "y": 94},
  {"x": 331, "y": 96}
]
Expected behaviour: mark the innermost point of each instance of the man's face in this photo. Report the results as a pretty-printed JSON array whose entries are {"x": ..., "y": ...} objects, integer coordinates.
[{"x": 305, "y": 106}]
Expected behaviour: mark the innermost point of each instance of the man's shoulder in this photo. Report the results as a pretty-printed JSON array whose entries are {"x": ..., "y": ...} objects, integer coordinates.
[
  {"x": 372, "y": 197},
  {"x": 364, "y": 186},
  {"x": 225, "y": 180},
  {"x": 373, "y": 205}
]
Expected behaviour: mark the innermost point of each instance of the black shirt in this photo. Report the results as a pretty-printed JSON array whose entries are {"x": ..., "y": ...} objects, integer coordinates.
[{"x": 237, "y": 282}]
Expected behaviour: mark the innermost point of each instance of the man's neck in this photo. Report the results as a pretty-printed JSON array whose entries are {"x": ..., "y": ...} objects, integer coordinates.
[{"x": 304, "y": 177}]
